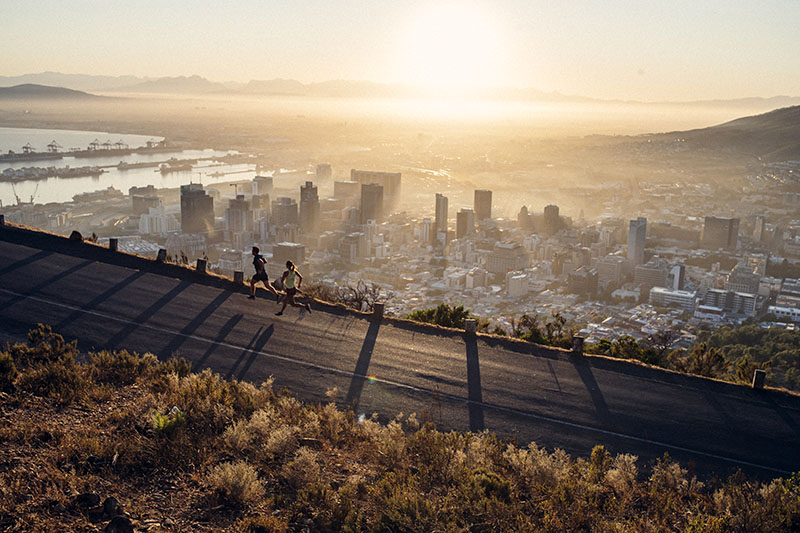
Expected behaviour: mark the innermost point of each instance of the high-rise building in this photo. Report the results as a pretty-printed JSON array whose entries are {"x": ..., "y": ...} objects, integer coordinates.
[
  {"x": 262, "y": 185},
  {"x": 324, "y": 172},
  {"x": 743, "y": 278},
  {"x": 284, "y": 211},
  {"x": 371, "y": 203},
  {"x": 652, "y": 274},
  {"x": 678, "y": 273},
  {"x": 465, "y": 223},
  {"x": 758, "y": 232},
  {"x": 309, "y": 208},
  {"x": 143, "y": 198},
  {"x": 610, "y": 271},
  {"x": 637, "y": 235},
  {"x": 346, "y": 190},
  {"x": 238, "y": 215},
  {"x": 440, "y": 221},
  {"x": 552, "y": 221},
  {"x": 390, "y": 181},
  {"x": 197, "y": 209},
  {"x": 720, "y": 233},
  {"x": 483, "y": 204},
  {"x": 506, "y": 257},
  {"x": 286, "y": 251}
]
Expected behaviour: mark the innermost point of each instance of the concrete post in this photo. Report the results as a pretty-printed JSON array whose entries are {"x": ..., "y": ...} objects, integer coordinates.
[
  {"x": 162, "y": 255},
  {"x": 577, "y": 345},
  {"x": 758, "y": 379},
  {"x": 201, "y": 266},
  {"x": 470, "y": 326},
  {"x": 2, "y": 220},
  {"x": 377, "y": 310},
  {"x": 238, "y": 277},
  {"x": 113, "y": 244}
]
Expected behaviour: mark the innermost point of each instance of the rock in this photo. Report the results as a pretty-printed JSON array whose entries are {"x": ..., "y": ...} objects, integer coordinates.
[
  {"x": 112, "y": 507},
  {"x": 119, "y": 524},
  {"x": 87, "y": 499},
  {"x": 168, "y": 522},
  {"x": 76, "y": 236}
]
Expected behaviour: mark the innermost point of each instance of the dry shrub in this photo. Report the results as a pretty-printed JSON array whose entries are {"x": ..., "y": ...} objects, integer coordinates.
[
  {"x": 303, "y": 470},
  {"x": 120, "y": 368},
  {"x": 237, "y": 483}
]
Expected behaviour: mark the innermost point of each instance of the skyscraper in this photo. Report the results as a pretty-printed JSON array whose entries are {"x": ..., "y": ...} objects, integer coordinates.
[
  {"x": 637, "y": 234},
  {"x": 552, "y": 222},
  {"x": 284, "y": 211},
  {"x": 371, "y": 203},
  {"x": 482, "y": 204},
  {"x": 758, "y": 232},
  {"x": 309, "y": 208},
  {"x": 238, "y": 215},
  {"x": 720, "y": 233},
  {"x": 465, "y": 223},
  {"x": 197, "y": 209},
  {"x": 440, "y": 221},
  {"x": 390, "y": 181}
]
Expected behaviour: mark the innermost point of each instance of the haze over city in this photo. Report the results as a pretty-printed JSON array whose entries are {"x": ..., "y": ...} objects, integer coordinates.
[{"x": 400, "y": 266}]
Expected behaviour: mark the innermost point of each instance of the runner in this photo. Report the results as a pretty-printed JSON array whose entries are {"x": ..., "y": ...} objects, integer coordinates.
[
  {"x": 292, "y": 280},
  {"x": 260, "y": 265}
]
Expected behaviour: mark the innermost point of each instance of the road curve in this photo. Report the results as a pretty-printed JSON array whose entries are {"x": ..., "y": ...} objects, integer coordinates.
[{"x": 459, "y": 382}]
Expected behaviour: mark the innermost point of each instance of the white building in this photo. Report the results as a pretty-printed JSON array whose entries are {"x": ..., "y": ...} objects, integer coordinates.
[{"x": 671, "y": 298}]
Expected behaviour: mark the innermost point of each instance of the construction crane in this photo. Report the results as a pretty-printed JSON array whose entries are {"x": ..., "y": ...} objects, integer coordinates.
[
  {"x": 14, "y": 189},
  {"x": 34, "y": 192}
]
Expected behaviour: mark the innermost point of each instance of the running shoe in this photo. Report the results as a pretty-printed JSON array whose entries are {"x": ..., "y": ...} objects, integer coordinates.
[{"x": 279, "y": 313}]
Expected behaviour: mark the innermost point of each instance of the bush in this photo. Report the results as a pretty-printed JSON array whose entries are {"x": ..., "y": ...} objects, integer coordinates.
[
  {"x": 8, "y": 372},
  {"x": 168, "y": 425},
  {"x": 442, "y": 315},
  {"x": 65, "y": 382},
  {"x": 120, "y": 368},
  {"x": 237, "y": 483}
]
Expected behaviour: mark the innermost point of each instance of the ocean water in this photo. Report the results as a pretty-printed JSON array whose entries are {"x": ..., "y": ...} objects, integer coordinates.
[{"x": 62, "y": 190}]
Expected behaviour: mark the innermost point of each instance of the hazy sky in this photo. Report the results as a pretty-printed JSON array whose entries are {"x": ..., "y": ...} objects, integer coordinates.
[{"x": 637, "y": 49}]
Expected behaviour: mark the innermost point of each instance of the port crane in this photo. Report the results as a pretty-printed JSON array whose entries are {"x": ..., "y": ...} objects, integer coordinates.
[
  {"x": 53, "y": 147},
  {"x": 28, "y": 149}
]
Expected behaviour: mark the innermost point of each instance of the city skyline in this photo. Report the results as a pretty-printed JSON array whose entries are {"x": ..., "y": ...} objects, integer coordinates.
[{"x": 617, "y": 50}]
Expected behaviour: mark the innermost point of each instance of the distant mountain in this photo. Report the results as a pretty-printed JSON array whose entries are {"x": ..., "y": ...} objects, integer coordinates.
[
  {"x": 176, "y": 85},
  {"x": 30, "y": 90},
  {"x": 78, "y": 82},
  {"x": 773, "y": 136}
]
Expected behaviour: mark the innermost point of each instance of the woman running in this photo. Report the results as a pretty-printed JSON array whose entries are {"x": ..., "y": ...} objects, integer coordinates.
[{"x": 292, "y": 281}]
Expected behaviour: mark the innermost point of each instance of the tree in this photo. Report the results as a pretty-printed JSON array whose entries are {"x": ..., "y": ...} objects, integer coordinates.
[{"x": 442, "y": 315}]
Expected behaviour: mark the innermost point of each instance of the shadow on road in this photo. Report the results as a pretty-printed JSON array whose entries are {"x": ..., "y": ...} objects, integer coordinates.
[
  {"x": 27, "y": 261},
  {"x": 122, "y": 334},
  {"x": 474, "y": 390},
  {"x": 250, "y": 352},
  {"x": 192, "y": 326},
  {"x": 362, "y": 367},
  {"x": 41, "y": 285},
  {"x": 782, "y": 413},
  {"x": 226, "y": 328},
  {"x": 585, "y": 372},
  {"x": 99, "y": 299}
]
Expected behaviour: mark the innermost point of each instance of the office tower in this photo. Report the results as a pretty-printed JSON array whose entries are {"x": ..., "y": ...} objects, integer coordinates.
[
  {"x": 465, "y": 223},
  {"x": 652, "y": 274},
  {"x": 371, "y": 203},
  {"x": 637, "y": 235},
  {"x": 507, "y": 257},
  {"x": 309, "y": 208},
  {"x": 758, "y": 232},
  {"x": 288, "y": 251},
  {"x": 284, "y": 211},
  {"x": 324, "y": 172},
  {"x": 678, "y": 276},
  {"x": 440, "y": 220},
  {"x": 720, "y": 233},
  {"x": 197, "y": 209},
  {"x": 426, "y": 231},
  {"x": 610, "y": 270},
  {"x": 482, "y": 204},
  {"x": 389, "y": 181},
  {"x": 262, "y": 185},
  {"x": 552, "y": 222},
  {"x": 143, "y": 198},
  {"x": 238, "y": 215}
]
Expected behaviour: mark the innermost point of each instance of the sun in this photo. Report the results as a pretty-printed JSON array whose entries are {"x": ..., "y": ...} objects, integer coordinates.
[{"x": 451, "y": 47}]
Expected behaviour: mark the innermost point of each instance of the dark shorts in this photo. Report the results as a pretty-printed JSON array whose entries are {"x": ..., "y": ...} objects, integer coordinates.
[
  {"x": 260, "y": 276},
  {"x": 291, "y": 292}
]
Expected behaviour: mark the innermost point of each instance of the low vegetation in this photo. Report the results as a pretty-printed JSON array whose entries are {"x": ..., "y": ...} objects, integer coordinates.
[{"x": 164, "y": 448}]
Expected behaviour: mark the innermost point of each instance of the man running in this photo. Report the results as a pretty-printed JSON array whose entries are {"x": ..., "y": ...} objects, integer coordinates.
[
  {"x": 260, "y": 265},
  {"x": 292, "y": 280}
]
